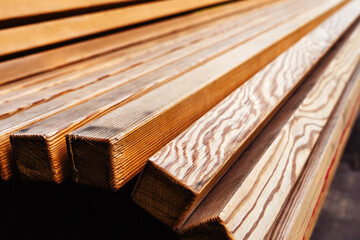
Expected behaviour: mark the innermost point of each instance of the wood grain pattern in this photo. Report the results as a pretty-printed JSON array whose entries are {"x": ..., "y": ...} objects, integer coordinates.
[
  {"x": 121, "y": 141},
  {"x": 109, "y": 63},
  {"x": 52, "y": 131},
  {"x": 38, "y": 62},
  {"x": 162, "y": 52},
  {"x": 194, "y": 161},
  {"x": 18, "y": 8},
  {"x": 304, "y": 203},
  {"x": 253, "y": 197},
  {"x": 45, "y": 33}
]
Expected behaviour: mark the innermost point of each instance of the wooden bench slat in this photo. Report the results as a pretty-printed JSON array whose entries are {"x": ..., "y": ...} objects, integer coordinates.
[
  {"x": 189, "y": 166},
  {"x": 121, "y": 141},
  {"x": 247, "y": 200},
  {"x": 52, "y": 131}
]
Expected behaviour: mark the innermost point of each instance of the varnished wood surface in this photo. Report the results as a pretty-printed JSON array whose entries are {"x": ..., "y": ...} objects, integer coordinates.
[
  {"x": 53, "y": 130},
  {"x": 300, "y": 212},
  {"x": 161, "y": 51},
  {"x": 124, "y": 139},
  {"x": 194, "y": 161},
  {"x": 45, "y": 33},
  {"x": 259, "y": 183},
  {"x": 35, "y": 63}
]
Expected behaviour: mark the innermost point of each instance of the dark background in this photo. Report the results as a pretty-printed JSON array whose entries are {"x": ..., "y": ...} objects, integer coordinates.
[
  {"x": 340, "y": 215},
  {"x": 69, "y": 211}
]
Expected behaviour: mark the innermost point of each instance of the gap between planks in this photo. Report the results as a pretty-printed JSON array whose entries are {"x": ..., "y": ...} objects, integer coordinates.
[
  {"x": 99, "y": 105},
  {"x": 178, "y": 177},
  {"x": 257, "y": 189}
]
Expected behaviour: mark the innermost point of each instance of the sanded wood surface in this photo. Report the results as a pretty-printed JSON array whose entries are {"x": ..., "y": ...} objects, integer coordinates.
[
  {"x": 305, "y": 201},
  {"x": 27, "y": 65},
  {"x": 108, "y": 64},
  {"x": 120, "y": 142},
  {"x": 52, "y": 131},
  {"x": 246, "y": 202},
  {"x": 164, "y": 51},
  {"x": 44, "y": 33},
  {"x": 19, "y": 8},
  {"x": 191, "y": 164}
]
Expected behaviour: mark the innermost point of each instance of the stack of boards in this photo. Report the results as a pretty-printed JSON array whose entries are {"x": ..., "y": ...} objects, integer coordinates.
[{"x": 236, "y": 115}]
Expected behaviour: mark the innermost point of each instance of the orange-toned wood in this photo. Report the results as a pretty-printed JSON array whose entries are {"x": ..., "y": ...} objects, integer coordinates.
[
  {"x": 144, "y": 50},
  {"x": 44, "y": 33},
  {"x": 24, "y": 66},
  {"x": 247, "y": 201},
  {"x": 121, "y": 141},
  {"x": 52, "y": 131},
  {"x": 162, "y": 51},
  {"x": 18, "y": 8},
  {"x": 189, "y": 166},
  {"x": 299, "y": 215}
]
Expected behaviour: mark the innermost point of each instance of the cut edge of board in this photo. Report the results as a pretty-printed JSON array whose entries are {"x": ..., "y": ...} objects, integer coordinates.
[
  {"x": 44, "y": 169},
  {"x": 141, "y": 196},
  {"x": 56, "y": 140},
  {"x": 123, "y": 153},
  {"x": 211, "y": 229},
  {"x": 195, "y": 227},
  {"x": 92, "y": 167},
  {"x": 154, "y": 177}
]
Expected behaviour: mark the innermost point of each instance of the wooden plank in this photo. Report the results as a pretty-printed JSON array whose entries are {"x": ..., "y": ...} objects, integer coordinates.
[
  {"x": 153, "y": 47},
  {"x": 175, "y": 46},
  {"x": 50, "y": 32},
  {"x": 52, "y": 131},
  {"x": 39, "y": 62},
  {"x": 19, "y": 9},
  {"x": 135, "y": 131},
  {"x": 189, "y": 166},
  {"x": 259, "y": 183},
  {"x": 304, "y": 204}
]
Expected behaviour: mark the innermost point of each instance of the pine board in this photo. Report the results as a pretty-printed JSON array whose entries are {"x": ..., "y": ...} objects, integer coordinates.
[
  {"x": 52, "y": 131},
  {"x": 180, "y": 175},
  {"x": 304, "y": 203},
  {"x": 163, "y": 51},
  {"x": 10, "y": 9},
  {"x": 24, "y": 66},
  {"x": 254, "y": 196},
  {"x": 120, "y": 142},
  {"x": 36, "y": 35}
]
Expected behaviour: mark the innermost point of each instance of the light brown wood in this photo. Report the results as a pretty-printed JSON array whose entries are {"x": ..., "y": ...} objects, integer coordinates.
[
  {"x": 52, "y": 131},
  {"x": 39, "y": 62},
  {"x": 189, "y": 166},
  {"x": 300, "y": 212},
  {"x": 19, "y": 8},
  {"x": 247, "y": 200},
  {"x": 120, "y": 142},
  {"x": 148, "y": 49},
  {"x": 162, "y": 51},
  {"x": 44, "y": 33}
]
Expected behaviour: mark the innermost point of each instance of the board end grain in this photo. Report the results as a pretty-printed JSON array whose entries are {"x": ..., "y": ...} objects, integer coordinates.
[
  {"x": 163, "y": 196},
  {"x": 38, "y": 170},
  {"x": 213, "y": 229},
  {"x": 90, "y": 161},
  {"x": 37, "y": 159}
]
